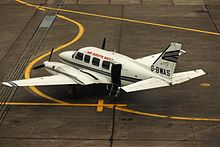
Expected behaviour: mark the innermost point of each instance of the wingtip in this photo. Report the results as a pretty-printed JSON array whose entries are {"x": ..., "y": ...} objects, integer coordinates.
[
  {"x": 201, "y": 71},
  {"x": 7, "y": 84}
]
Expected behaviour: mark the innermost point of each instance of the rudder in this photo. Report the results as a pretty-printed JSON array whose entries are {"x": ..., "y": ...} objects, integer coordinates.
[{"x": 165, "y": 64}]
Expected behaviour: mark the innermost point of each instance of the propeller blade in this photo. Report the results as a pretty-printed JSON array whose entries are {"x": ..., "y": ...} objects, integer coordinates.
[
  {"x": 51, "y": 52},
  {"x": 39, "y": 66},
  {"x": 103, "y": 44}
]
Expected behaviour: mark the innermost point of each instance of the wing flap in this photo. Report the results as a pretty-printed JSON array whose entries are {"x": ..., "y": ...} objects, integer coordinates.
[
  {"x": 156, "y": 83},
  {"x": 42, "y": 81}
]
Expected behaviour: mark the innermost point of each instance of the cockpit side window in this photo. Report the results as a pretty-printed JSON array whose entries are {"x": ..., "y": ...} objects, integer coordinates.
[
  {"x": 95, "y": 61},
  {"x": 79, "y": 56},
  {"x": 106, "y": 65},
  {"x": 87, "y": 58},
  {"x": 73, "y": 55}
]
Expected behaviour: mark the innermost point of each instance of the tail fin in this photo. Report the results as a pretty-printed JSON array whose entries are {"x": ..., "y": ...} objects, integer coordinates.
[{"x": 165, "y": 64}]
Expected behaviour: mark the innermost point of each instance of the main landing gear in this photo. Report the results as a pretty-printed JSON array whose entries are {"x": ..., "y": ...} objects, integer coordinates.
[{"x": 72, "y": 91}]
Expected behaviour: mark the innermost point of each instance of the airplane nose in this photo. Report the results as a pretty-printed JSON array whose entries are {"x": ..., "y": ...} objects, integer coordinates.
[{"x": 64, "y": 55}]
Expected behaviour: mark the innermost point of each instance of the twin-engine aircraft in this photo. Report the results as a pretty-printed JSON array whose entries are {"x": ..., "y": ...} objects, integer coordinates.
[{"x": 91, "y": 65}]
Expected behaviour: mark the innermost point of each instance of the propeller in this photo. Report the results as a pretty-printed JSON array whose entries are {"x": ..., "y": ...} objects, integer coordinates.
[
  {"x": 103, "y": 44},
  {"x": 42, "y": 65},
  {"x": 51, "y": 52},
  {"x": 39, "y": 66}
]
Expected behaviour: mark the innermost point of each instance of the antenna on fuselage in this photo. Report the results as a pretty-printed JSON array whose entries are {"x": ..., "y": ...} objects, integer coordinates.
[
  {"x": 103, "y": 44},
  {"x": 42, "y": 65}
]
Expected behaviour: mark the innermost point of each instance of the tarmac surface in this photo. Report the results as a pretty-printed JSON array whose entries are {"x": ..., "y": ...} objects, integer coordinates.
[{"x": 182, "y": 115}]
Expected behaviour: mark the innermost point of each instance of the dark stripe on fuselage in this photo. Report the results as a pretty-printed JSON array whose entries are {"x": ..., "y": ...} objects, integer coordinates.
[
  {"x": 171, "y": 54},
  {"x": 129, "y": 79},
  {"x": 171, "y": 59}
]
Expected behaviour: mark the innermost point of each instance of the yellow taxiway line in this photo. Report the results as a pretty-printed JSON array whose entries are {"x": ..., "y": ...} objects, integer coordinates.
[
  {"x": 62, "y": 104},
  {"x": 119, "y": 107},
  {"x": 166, "y": 116},
  {"x": 100, "y": 105},
  {"x": 121, "y": 19},
  {"x": 29, "y": 67}
]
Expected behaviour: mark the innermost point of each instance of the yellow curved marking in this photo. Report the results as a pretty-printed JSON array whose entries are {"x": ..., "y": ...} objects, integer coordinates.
[
  {"x": 121, "y": 19},
  {"x": 117, "y": 106},
  {"x": 29, "y": 67},
  {"x": 165, "y": 116}
]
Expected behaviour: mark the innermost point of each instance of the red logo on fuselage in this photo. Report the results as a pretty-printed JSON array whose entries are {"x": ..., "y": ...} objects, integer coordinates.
[{"x": 99, "y": 56}]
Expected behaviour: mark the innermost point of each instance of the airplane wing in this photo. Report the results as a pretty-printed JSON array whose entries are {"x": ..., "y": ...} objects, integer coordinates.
[
  {"x": 83, "y": 78},
  {"x": 152, "y": 83},
  {"x": 149, "y": 60},
  {"x": 42, "y": 81},
  {"x": 65, "y": 75}
]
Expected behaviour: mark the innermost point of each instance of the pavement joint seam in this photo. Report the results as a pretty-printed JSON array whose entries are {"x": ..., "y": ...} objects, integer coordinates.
[
  {"x": 113, "y": 128},
  {"x": 211, "y": 19},
  {"x": 120, "y": 34}
]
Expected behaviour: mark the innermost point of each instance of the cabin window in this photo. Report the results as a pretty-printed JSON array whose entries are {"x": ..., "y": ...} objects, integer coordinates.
[
  {"x": 95, "y": 61},
  {"x": 79, "y": 56},
  {"x": 87, "y": 58},
  {"x": 106, "y": 65}
]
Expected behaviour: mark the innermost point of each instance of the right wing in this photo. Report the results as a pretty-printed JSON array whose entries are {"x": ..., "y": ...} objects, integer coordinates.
[
  {"x": 152, "y": 83},
  {"x": 145, "y": 84}
]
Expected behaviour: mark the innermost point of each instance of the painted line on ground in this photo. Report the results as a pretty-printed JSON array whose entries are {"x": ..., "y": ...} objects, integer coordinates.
[
  {"x": 61, "y": 104},
  {"x": 166, "y": 116},
  {"x": 120, "y": 19},
  {"x": 118, "y": 107},
  {"x": 100, "y": 106}
]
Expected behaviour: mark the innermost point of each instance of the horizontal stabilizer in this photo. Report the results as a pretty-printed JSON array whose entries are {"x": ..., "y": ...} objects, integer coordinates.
[
  {"x": 156, "y": 83},
  {"x": 145, "y": 84},
  {"x": 186, "y": 76}
]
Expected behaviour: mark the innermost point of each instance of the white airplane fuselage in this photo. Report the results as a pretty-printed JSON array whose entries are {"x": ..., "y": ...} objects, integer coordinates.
[
  {"x": 91, "y": 65},
  {"x": 131, "y": 71}
]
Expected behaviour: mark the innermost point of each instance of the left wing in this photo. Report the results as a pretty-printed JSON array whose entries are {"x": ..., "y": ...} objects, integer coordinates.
[
  {"x": 42, "y": 81},
  {"x": 156, "y": 83},
  {"x": 65, "y": 75}
]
